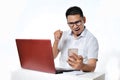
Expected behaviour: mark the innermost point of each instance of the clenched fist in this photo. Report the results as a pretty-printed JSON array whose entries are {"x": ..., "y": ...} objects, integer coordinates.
[{"x": 57, "y": 35}]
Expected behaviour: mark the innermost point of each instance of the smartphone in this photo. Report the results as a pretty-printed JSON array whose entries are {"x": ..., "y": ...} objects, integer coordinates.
[{"x": 72, "y": 50}]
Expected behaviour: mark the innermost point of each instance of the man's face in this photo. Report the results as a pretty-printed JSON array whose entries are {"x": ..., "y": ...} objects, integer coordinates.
[{"x": 76, "y": 24}]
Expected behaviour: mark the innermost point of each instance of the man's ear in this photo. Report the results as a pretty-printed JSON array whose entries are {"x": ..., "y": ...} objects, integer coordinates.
[{"x": 84, "y": 19}]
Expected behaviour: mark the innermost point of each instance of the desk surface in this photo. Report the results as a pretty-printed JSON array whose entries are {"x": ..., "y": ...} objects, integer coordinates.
[{"x": 24, "y": 74}]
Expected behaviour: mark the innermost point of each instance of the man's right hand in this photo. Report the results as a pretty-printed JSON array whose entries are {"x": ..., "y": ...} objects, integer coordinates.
[{"x": 57, "y": 35}]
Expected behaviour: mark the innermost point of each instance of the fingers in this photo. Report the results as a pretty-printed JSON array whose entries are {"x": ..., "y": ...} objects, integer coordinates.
[
  {"x": 80, "y": 57},
  {"x": 74, "y": 55},
  {"x": 71, "y": 61},
  {"x": 72, "y": 58},
  {"x": 75, "y": 61},
  {"x": 75, "y": 58},
  {"x": 58, "y": 34}
]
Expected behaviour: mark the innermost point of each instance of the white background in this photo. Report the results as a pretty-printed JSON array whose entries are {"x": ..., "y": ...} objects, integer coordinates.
[{"x": 40, "y": 18}]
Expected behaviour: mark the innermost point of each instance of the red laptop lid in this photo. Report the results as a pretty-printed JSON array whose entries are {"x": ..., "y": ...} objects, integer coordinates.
[{"x": 36, "y": 54}]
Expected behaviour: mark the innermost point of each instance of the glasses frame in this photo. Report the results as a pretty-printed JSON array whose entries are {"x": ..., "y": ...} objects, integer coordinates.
[{"x": 77, "y": 23}]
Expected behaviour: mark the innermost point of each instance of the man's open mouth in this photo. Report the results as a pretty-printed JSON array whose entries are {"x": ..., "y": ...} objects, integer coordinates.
[{"x": 77, "y": 29}]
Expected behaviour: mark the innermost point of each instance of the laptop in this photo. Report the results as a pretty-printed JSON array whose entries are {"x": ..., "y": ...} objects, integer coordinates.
[{"x": 36, "y": 54}]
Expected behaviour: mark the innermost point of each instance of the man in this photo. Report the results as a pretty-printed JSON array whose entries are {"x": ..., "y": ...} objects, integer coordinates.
[{"x": 78, "y": 37}]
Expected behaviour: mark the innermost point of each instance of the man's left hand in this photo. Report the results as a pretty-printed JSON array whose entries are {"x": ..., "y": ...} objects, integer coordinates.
[{"x": 75, "y": 61}]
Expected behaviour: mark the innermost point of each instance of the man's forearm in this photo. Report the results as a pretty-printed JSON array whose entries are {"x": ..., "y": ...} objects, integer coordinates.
[
  {"x": 55, "y": 48},
  {"x": 88, "y": 68}
]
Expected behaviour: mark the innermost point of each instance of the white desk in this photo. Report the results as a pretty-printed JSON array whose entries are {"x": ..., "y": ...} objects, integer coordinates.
[{"x": 24, "y": 74}]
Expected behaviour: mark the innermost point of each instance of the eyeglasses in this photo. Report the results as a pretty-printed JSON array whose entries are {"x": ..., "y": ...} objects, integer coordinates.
[{"x": 77, "y": 23}]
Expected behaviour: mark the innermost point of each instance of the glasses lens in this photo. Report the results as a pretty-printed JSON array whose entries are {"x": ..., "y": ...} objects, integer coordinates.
[
  {"x": 71, "y": 24},
  {"x": 78, "y": 23}
]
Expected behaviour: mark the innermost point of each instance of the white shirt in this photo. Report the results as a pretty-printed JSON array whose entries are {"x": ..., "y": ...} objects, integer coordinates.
[{"x": 86, "y": 44}]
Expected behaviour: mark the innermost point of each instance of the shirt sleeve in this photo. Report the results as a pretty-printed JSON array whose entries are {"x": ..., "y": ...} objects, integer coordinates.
[{"x": 93, "y": 48}]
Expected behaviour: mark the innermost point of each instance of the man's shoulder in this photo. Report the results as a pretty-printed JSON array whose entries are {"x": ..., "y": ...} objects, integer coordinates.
[{"x": 90, "y": 35}]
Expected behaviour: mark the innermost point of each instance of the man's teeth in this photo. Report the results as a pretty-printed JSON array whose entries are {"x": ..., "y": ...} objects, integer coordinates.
[{"x": 76, "y": 29}]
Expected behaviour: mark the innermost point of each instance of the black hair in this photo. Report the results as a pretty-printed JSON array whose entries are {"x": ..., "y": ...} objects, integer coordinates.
[{"x": 74, "y": 10}]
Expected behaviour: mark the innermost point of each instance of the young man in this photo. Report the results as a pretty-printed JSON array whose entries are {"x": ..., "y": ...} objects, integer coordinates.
[{"x": 78, "y": 37}]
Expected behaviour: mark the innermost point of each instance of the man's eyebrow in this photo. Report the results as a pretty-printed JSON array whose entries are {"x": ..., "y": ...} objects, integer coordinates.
[{"x": 74, "y": 22}]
